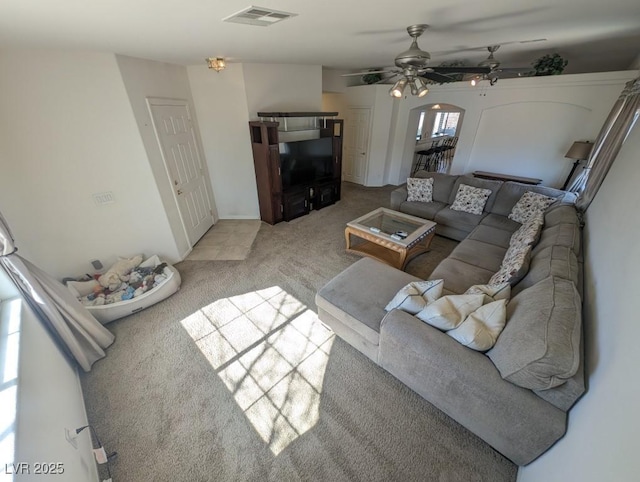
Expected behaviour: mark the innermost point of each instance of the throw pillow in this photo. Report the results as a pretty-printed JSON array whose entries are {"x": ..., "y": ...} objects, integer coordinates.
[
  {"x": 470, "y": 199},
  {"x": 420, "y": 189},
  {"x": 540, "y": 347},
  {"x": 531, "y": 204},
  {"x": 448, "y": 312},
  {"x": 529, "y": 233},
  {"x": 491, "y": 293},
  {"x": 414, "y": 297},
  {"x": 515, "y": 265},
  {"x": 482, "y": 327}
]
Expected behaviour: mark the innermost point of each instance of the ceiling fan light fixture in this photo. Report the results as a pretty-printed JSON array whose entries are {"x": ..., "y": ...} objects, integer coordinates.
[
  {"x": 419, "y": 87},
  {"x": 398, "y": 88},
  {"x": 216, "y": 63}
]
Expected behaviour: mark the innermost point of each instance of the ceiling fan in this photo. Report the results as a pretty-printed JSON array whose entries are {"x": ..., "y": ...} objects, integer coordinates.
[
  {"x": 412, "y": 66},
  {"x": 495, "y": 71}
]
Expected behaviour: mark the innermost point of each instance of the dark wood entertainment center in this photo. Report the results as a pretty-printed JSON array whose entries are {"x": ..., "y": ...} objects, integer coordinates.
[{"x": 285, "y": 193}]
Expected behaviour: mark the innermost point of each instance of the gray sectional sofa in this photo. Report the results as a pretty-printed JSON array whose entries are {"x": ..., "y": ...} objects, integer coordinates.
[{"x": 517, "y": 395}]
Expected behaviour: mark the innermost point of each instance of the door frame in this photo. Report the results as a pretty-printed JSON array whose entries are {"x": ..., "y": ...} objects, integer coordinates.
[
  {"x": 370, "y": 109},
  {"x": 168, "y": 101}
]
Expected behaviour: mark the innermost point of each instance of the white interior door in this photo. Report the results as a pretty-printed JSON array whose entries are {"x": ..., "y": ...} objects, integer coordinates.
[
  {"x": 356, "y": 145},
  {"x": 183, "y": 161}
]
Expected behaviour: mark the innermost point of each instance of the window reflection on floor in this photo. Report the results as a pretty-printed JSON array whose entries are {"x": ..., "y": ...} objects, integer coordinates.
[
  {"x": 9, "y": 352},
  {"x": 271, "y": 352}
]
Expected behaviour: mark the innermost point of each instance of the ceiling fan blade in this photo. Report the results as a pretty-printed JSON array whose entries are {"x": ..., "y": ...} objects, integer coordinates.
[
  {"x": 370, "y": 72},
  {"x": 461, "y": 70},
  {"x": 389, "y": 80},
  {"x": 436, "y": 77},
  {"x": 516, "y": 70}
]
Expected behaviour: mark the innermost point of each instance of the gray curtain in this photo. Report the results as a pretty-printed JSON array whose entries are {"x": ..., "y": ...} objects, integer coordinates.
[
  {"x": 608, "y": 143},
  {"x": 80, "y": 336}
]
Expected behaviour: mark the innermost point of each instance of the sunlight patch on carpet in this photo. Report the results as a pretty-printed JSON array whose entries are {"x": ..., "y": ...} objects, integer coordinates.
[{"x": 271, "y": 352}]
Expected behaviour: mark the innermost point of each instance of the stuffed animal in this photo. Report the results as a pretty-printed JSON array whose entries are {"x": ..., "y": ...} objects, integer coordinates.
[{"x": 119, "y": 272}]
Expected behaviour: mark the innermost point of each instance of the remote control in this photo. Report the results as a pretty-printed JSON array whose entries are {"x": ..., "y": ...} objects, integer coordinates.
[
  {"x": 395, "y": 236},
  {"x": 375, "y": 230}
]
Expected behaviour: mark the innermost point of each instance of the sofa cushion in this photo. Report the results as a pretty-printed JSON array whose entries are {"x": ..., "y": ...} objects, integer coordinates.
[
  {"x": 480, "y": 330},
  {"x": 493, "y": 186},
  {"x": 357, "y": 296},
  {"x": 458, "y": 219},
  {"x": 561, "y": 214},
  {"x": 477, "y": 253},
  {"x": 442, "y": 184},
  {"x": 416, "y": 295},
  {"x": 491, "y": 235},
  {"x": 539, "y": 347},
  {"x": 450, "y": 311},
  {"x": 422, "y": 210},
  {"x": 470, "y": 199},
  {"x": 459, "y": 276},
  {"x": 511, "y": 192},
  {"x": 559, "y": 235},
  {"x": 558, "y": 261},
  {"x": 500, "y": 222},
  {"x": 420, "y": 189}
]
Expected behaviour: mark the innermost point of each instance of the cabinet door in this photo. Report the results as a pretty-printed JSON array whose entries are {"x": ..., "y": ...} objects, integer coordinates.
[
  {"x": 325, "y": 195},
  {"x": 295, "y": 204},
  {"x": 275, "y": 172}
]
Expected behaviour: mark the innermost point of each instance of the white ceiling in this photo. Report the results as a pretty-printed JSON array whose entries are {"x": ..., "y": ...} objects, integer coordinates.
[{"x": 344, "y": 34}]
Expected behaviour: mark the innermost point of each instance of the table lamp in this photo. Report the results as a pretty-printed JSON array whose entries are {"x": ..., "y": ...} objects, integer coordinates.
[{"x": 579, "y": 151}]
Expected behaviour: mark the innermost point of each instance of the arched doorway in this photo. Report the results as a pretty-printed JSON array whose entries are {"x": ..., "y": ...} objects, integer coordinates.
[{"x": 437, "y": 128}]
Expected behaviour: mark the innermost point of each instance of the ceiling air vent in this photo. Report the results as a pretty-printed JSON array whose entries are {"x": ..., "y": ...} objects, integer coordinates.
[{"x": 260, "y": 16}]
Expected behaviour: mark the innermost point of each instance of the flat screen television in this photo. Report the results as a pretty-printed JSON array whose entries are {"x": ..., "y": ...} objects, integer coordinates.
[{"x": 305, "y": 162}]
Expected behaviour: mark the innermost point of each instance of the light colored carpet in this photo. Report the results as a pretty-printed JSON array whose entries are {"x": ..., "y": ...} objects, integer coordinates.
[
  {"x": 234, "y": 378},
  {"x": 227, "y": 240}
]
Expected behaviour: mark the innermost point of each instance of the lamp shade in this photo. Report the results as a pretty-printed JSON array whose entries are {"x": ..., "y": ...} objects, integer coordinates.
[{"x": 579, "y": 150}]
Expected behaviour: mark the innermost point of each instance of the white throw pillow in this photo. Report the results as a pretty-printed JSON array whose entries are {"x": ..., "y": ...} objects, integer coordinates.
[
  {"x": 448, "y": 312},
  {"x": 530, "y": 205},
  {"x": 470, "y": 199},
  {"x": 491, "y": 293},
  {"x": 529, "y": 232},
  {"x": 482, "y": 327},
  {"x": 420, "y": 189},
  {"x": 515, "y": 265},
  {"x": 416, "y": 295}
]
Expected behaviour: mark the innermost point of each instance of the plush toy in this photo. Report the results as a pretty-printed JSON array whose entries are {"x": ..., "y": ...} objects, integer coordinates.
[{"x": 119, "y": 272}]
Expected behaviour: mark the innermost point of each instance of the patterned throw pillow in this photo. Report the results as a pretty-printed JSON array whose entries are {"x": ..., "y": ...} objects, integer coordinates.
[
  {"x": 481, "y": 329},
  {"x": 514, "y": 265},
  {"x": 491, "y": 292},
  {"x": 420, "y": 189},
  {"x": 530, "y": 205},
  {"x": 414, "y": 297},
  {"x": 529, "y": 232},
  {"x": 448, "y": 312},
  {"x": 470, "y": 199}
]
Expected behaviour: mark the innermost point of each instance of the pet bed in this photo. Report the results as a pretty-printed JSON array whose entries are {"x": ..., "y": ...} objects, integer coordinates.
[{"x": 109, "y": 312}]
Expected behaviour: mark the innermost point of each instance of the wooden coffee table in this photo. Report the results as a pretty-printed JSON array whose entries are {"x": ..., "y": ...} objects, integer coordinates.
[{"x": 389, "y": 236}]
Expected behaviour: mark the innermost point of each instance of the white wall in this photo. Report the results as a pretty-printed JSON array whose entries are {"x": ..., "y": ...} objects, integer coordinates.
[
  {"x": 332, "y": 80},
  {"x": 223, "y": 115},
  {"x": 69, "y": 131},
  {"x": 282, "y": 87},
  {"x": 50, "y": 400},
  {"x": 142, "y": 79},
  {"x": 377, "y": 98},
  {"x": 519, "y": 126},
  {"x": 602, "y": 439}
]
